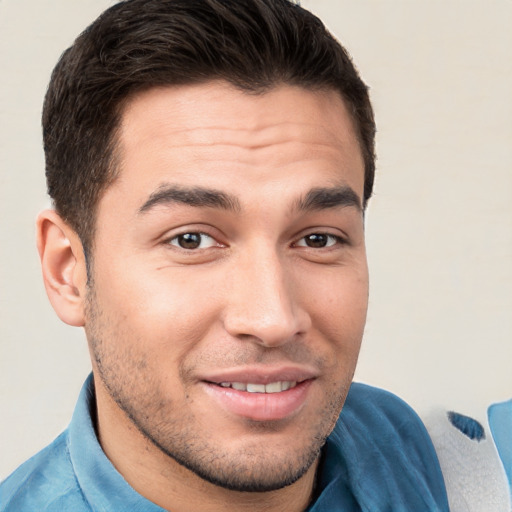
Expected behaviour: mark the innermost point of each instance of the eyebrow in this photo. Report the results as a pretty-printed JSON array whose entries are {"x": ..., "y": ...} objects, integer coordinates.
[
  {"x": 325, "y": 198},
  {"x": 194, "y": 196},
  {"x": 316, "y": 199}
]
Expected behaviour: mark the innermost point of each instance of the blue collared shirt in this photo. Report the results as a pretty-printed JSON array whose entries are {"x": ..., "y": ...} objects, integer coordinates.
[{"x": 378, "y": 458}]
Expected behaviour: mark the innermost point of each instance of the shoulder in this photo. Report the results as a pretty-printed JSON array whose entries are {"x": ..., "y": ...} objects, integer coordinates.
[
  {"x": 387, "y": 453},
  {"x": 384, "y": 423},
  {"x": 377, "y": 407},
  {"x": 46, "y": 482}
]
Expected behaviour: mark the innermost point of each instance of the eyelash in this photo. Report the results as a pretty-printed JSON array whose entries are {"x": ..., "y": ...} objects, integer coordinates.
[
  {"x": 191, "y": 234},
  {"x": 337, "y": 240},
  {"x": 331, "y": 240}
]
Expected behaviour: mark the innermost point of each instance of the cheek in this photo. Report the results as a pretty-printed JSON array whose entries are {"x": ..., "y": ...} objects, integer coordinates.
[
  {"x": 342, "y": 288},
  {"x": 164, "y": 309},
  {"x": 338, "y": 310}
]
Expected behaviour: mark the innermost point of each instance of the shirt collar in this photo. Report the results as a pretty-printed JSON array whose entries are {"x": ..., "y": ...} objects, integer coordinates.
[{"x": 102, "y": 485}]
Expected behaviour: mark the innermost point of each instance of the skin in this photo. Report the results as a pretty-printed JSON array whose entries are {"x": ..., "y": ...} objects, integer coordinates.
[{"x": 279, "y": 281}]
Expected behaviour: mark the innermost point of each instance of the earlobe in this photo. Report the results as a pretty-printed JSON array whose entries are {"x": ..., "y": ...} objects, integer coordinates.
[{"x": 63, "y": 266}]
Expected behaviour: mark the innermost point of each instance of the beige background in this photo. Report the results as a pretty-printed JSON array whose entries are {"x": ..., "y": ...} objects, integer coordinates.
[{"x": 439, "y": 227}]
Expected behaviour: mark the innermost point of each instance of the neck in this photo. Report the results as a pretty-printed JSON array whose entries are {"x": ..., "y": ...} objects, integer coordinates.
[{"x": 160, "y": 479}]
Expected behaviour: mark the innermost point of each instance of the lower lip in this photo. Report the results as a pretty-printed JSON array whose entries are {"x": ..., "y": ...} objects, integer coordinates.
[{"x": 260, "y": 406}]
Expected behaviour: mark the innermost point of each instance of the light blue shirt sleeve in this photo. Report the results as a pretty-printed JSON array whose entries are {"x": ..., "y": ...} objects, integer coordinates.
[{"x": 500, "y": 421}]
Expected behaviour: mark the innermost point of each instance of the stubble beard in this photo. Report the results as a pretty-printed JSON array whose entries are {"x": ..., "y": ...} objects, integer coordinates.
[{"x": 133, "y": 387}]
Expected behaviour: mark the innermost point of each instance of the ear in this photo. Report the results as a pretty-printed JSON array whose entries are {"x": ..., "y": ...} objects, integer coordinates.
[{"x": 63, "y": 265}]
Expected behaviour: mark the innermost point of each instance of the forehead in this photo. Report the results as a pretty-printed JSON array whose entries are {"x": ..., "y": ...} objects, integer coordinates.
[
  {"x": 208, "y": 105},
  {"x": 208, "y": 133}
]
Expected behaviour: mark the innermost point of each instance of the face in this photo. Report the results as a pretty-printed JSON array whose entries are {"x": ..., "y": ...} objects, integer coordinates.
[{"x": 229, "y": 279}]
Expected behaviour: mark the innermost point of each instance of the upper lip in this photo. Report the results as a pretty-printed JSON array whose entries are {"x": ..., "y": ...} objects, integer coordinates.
[{"x": 261, "y": 374}]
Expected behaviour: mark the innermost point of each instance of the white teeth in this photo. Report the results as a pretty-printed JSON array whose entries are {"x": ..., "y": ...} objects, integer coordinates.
[
  {"x": 272, "y": 387},
  {"x": 256, "y": 388}
]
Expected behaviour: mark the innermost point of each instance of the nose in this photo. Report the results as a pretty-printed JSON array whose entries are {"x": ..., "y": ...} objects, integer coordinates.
[{"x": 263, "y": 304}]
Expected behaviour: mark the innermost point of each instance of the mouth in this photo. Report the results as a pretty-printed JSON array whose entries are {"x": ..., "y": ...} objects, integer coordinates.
[
  {"x": 252, "y": 387},
  {"x": 260, "y": 398}
]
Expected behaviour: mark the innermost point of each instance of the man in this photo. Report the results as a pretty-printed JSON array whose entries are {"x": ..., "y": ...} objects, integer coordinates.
[{"x": 210, "y": 163}]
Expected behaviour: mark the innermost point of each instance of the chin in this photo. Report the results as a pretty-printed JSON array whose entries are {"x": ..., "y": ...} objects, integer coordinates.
[{"x": 255, "y": 470}]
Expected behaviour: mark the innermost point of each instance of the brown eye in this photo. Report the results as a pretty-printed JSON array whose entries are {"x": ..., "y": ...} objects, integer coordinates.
[
  {"x": 192, "y": 241},
  {"x": 318, "y": 240}
]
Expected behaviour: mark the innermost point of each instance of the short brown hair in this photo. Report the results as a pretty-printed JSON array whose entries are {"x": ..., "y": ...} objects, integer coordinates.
[{"x": 138, "y": 44}]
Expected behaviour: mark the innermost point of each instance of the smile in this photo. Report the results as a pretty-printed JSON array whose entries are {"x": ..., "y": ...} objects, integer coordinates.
[
  {"x": 272, "y": 387},
  {"x": 257, "y": 401}
]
